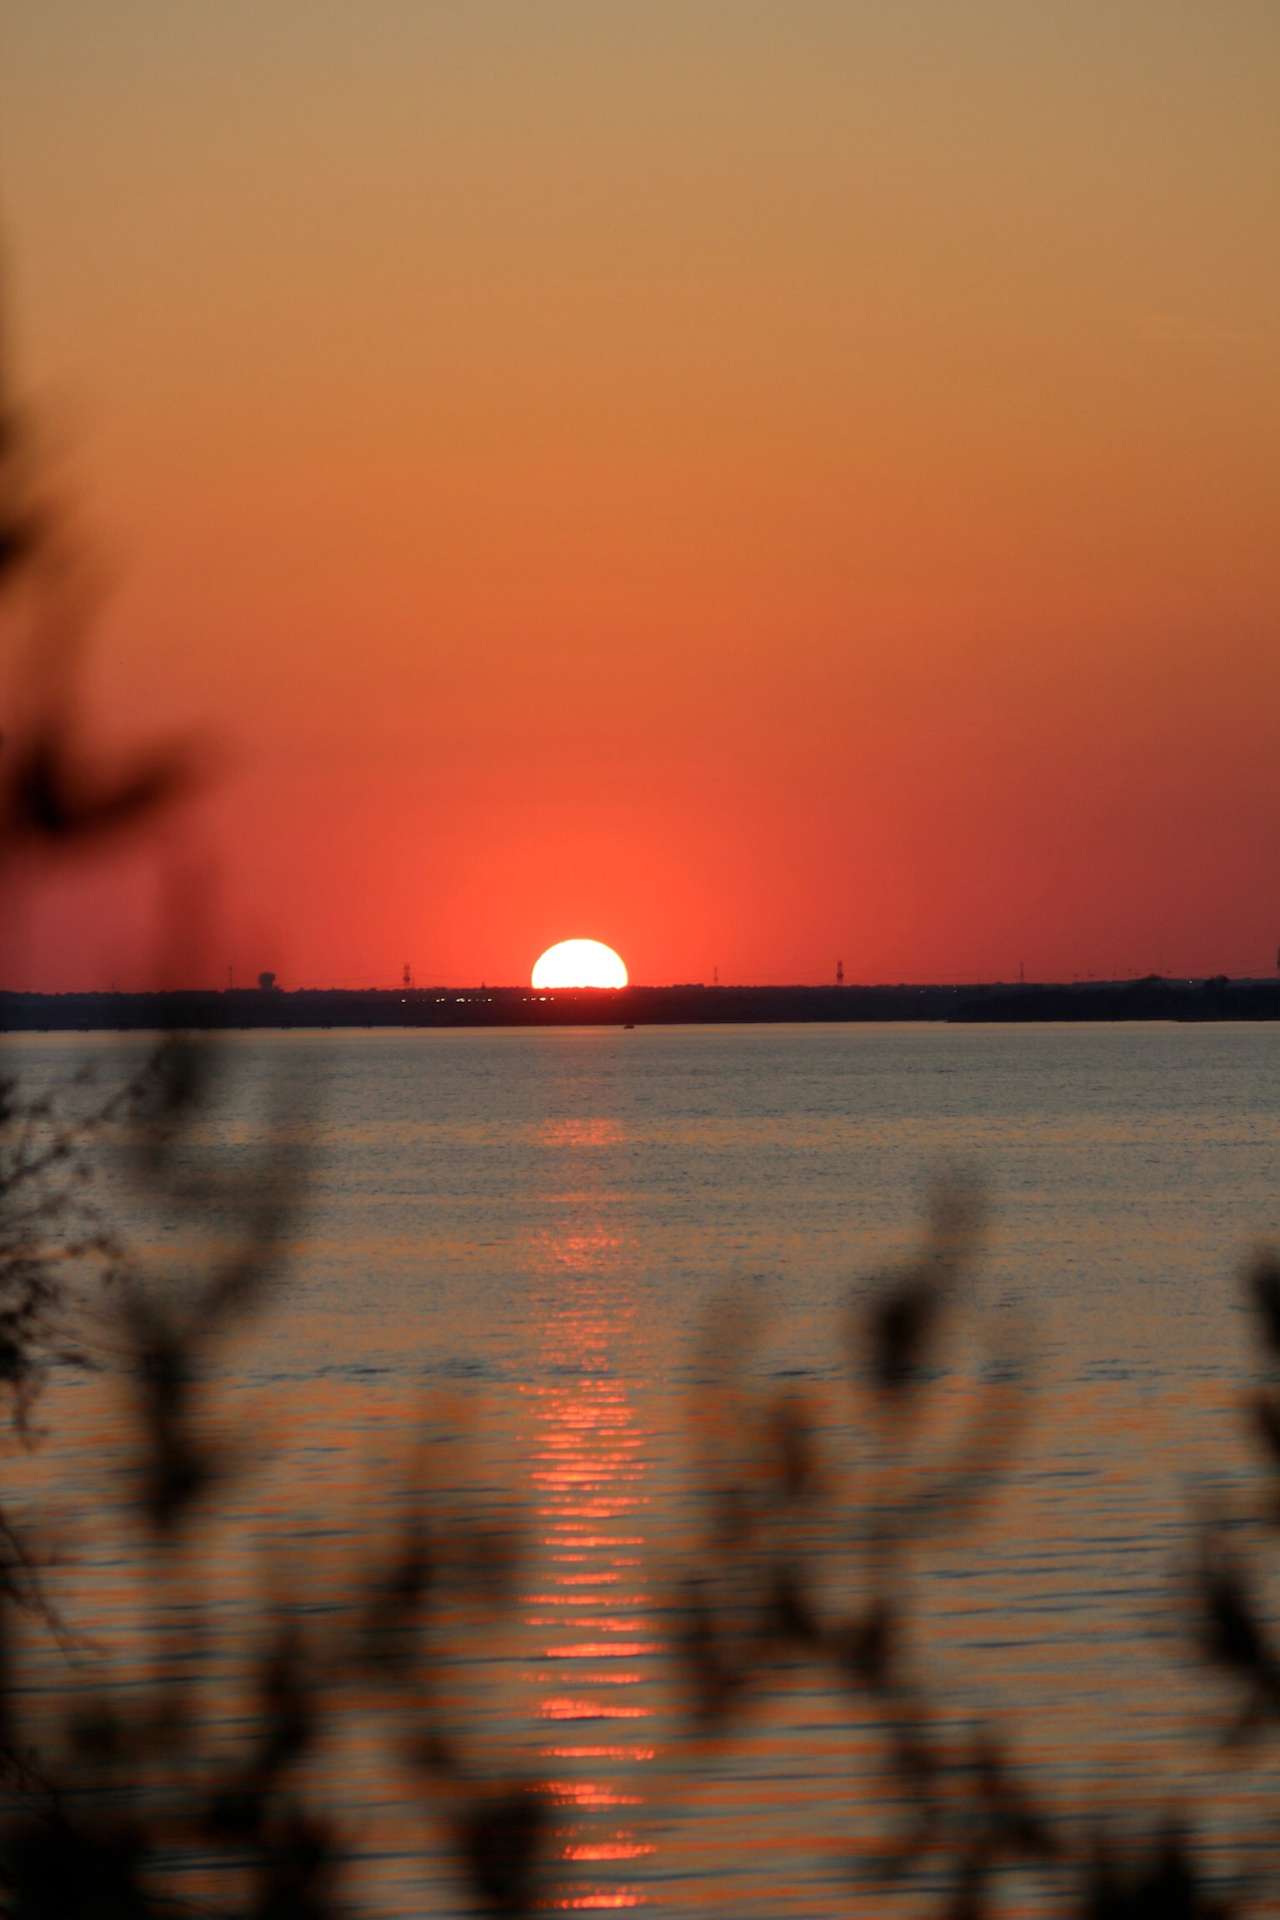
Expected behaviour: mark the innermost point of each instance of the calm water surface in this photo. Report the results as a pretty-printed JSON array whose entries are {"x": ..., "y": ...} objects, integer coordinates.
[{"x": 516, "y": 1242}]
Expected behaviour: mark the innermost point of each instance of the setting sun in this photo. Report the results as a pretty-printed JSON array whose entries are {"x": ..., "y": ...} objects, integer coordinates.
[{"x": 580, "y": 963}]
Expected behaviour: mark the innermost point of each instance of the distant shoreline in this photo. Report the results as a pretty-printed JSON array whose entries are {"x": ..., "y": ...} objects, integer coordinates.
[{"x": 316, "y": 1008}]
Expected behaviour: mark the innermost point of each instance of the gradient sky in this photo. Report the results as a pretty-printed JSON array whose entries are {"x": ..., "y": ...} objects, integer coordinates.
[{"x": 753, "y": 482}]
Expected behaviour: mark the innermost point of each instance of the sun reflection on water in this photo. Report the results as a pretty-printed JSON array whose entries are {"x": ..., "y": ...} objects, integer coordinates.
[{"x": 587, "y": 1602}]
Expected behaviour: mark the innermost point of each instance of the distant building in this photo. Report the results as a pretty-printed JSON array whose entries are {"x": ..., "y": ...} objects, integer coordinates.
[{"x": 267, "y": 983}]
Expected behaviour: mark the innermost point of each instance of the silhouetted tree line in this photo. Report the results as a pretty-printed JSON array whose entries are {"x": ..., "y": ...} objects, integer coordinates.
[{"x": 102, "y": 1790}]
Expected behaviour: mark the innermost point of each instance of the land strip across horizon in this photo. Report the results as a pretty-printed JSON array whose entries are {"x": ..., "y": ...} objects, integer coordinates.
[{"x": 1150, "y": 998}]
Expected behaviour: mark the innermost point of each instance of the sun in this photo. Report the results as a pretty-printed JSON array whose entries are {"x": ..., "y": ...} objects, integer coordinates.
[{"x": 580, "y": 963}]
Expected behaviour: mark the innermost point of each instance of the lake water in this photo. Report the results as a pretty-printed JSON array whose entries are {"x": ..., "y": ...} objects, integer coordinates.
[{"x": 523, "y": 1264}]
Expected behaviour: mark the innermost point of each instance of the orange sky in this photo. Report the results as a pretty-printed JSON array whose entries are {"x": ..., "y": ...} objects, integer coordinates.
[{"x": 752, "y": 482}]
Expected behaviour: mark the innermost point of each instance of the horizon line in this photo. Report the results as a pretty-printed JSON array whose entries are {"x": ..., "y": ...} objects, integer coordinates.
[{"x": 272, "y": 989}]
